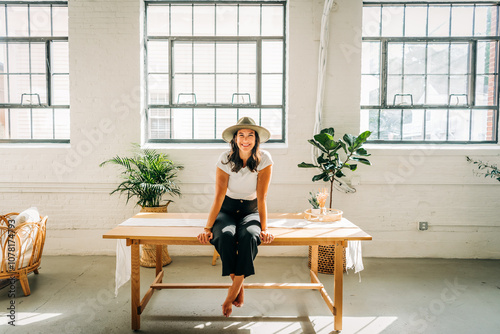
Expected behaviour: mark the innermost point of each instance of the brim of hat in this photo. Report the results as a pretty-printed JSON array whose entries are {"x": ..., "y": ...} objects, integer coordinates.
[{"x": 228, "y": 134}]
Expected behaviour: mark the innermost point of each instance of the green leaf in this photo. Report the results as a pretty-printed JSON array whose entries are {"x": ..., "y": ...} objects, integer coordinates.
[
  {"x": 339, "y": 174},
  {"x": 362, "y": 152},
  {"x": 326, "y": 178},
  {"x": 343, "y": 145},
  {"x": 321, "y": 159},
  {"x": 326, "y": 140},
  {"x": 364, "y": 136},
  {"x": 319, "y": 177},
  {"x": 306, "y": 165},
  {"x": 352, "y": 167},
  {"x": 349, "y": 139},
  {"x": 318, "y": 145},
  {"x": 362, "y": 160},
  {"x": 330, "y": 131}
]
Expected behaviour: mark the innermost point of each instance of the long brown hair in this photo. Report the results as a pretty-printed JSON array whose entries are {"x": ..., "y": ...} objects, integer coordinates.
[{"x": 234, "y": 156}]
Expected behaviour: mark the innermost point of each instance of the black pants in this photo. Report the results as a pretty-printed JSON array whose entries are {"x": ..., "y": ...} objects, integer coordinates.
[{"x": 236, "y": 235}]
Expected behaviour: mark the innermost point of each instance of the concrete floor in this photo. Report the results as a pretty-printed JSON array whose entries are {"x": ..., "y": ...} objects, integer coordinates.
[{"x": 76, "y": 295}]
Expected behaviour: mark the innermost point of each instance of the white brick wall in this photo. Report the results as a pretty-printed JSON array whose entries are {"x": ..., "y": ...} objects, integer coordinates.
[{"x": 404, "y": 186}]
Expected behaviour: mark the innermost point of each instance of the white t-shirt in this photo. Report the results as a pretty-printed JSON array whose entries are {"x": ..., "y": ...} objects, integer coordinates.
[{"x": 243, "y": 185}]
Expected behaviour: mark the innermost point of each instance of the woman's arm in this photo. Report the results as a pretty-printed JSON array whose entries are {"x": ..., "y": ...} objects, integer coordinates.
[
  {"x": 221, "y": 181},
  {"x": 263, "y": 180}
]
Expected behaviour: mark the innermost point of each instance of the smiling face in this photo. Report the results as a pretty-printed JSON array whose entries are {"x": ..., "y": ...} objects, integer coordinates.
[{"x": 245, "y": 139}]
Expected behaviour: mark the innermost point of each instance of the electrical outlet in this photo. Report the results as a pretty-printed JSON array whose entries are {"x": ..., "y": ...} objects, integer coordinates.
[{"x": 423, "y": 226}]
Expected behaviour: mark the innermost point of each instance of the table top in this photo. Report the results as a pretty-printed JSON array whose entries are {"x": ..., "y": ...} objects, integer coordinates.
[{"x": 186, "y": 235}]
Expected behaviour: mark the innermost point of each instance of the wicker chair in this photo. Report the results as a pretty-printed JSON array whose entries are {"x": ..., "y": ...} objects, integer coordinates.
[{"x": 27, "y": 239}]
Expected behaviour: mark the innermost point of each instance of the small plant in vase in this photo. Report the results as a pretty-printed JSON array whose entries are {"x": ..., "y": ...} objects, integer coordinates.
[{"x": 313, "y": 200}]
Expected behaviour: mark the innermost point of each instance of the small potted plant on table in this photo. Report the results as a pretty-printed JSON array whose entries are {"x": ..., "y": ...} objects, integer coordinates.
[{"x": 148, "y": 176}]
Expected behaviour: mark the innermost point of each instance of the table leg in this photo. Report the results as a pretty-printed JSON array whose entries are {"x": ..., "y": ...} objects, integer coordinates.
[
  {"x": 159, "y": 259},
  {"x": 314, "y": 260},
  {"x": 338, "y": 283},
  {"x": 136, "y": 285}
]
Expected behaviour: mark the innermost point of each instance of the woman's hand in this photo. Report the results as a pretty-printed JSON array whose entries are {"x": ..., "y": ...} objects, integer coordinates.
[
  {"x": 205, "y": 236},
  {"x": 266, "y": 237}
]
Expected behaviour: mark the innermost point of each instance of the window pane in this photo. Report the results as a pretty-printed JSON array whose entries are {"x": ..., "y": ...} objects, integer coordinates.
[
  {"x": 42, "y": 124},
  {"x": 38, "y": 58},
  {"x": 370, "y": 89},
  {"x": 369, "y": 121},
  {"x": 60, "y": 20},
  {"x": 225, "y": 118},
  {"x": 2, "y": 26},
  {"x": 461, "y": 20},
  {"x": 62, "y": 123},
  {"x": 272, "y": 20},
  {"x": 371, "y": 21},
  {"x": 247, "y": 84},
  {"x": 204, "y": 57},
  {"x": 459, "y": 58},
  {"x": 437, "y": 58},
  {"x": 272, "y": 120},
  {"x": 226, "y": 58},
  {"x": 183, "y": 84},
  {"x": 252, "y": 113},
  {"x": 395, "y": 58},
  {"x": 4, "y": 94},
  {"x": 249, "y": 20},
  {"x": 394, "y": 86},
  {"x": 413, "y": 124},
  {"x": 485, "y": 21},
  {"x": 39, "y": 86},
  {"x": 204, "y": 20},
  {"x": 439, "y": 21},
  {"x": 182, "y": 123},
  {"x": 248, "y": 58},
  {"x": 437, "y": 89},
  {"x": 159, "y": 124},
  {"x": 415, "y": 85},
  {"x": 19, "y": 61},
  {"x": 458, "y": 85},
  {"x": 158, "y": 56},
  {"x": 60, "y": 89},
  {"x": 272, "y": 89},
  {"x": 486, "y": 55},
  {"x": 17, "y": 20},
  {"x": 272, "y": 57},
  {"x": 158, "y": 20},
  {"x": 226, "y": 20},
  {"x": 483, "y": 125},
  {"x": 486, "y": 90},
  {"x": 436, "y": 121},
  {"x": 183, "y": 57},
  {"x": 415, "y": 18},
  {"x": 18, "y": 84},
  {"x": 158, "y": 89},
  {"x": 40, "y": 21},
  {"x": 182, "y": 23},
  {"x": 204, "y": 88},
  {"x": 414, "y": 58},
  {"x": 458, "y": 125},
  {"x": 392, "y": 21},
  {"x": 60, "y": 57},
  {"x": 20, "y": 124},
  {"x": 204, "y": 123},
  {"x": 370, "y": 58},
  {"x": 225, "y": 87},
  {"x": 390, "y": 124}
]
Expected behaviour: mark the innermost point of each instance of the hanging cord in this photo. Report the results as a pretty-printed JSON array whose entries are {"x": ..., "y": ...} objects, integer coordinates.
[{"x": 322, "y": 62}]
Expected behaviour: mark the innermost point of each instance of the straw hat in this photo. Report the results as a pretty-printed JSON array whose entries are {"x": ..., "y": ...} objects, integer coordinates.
[{"x": 246, "y": 123}]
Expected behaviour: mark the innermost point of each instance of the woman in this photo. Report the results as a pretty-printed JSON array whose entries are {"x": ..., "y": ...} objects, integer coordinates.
[{"x": 237, "y": 222}]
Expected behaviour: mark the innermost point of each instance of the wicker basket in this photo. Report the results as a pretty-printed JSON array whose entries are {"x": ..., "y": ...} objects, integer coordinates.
[
  {"x": 326, "y": 259},
  {"x": 148, "y": 252}
]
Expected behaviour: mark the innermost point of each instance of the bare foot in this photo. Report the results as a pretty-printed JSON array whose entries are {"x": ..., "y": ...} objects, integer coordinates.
[
  {"x": 227, "y": 308},
  {"x": 238, "y": 302}
]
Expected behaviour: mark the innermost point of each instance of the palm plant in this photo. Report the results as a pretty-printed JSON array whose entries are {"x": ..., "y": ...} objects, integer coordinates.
[{"x": 148, "y": 176}]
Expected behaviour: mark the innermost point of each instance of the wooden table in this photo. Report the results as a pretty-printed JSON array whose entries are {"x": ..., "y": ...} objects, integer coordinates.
[{"x": 136, "y": 235}]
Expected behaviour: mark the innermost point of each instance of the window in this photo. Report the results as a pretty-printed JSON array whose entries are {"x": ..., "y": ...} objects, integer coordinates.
[
  {"x": 34, "y": 74},
  {"x": 430, "y": 72},
  {"x": 209, "y": 64}
]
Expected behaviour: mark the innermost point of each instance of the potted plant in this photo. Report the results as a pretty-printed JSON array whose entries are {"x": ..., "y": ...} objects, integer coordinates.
[
  {"x": 313, "y": 200},
  {"x": 335, "y": 156},
  {"x": 148, "y": 176}
]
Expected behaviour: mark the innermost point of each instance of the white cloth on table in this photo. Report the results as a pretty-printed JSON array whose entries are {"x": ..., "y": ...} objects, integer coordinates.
[{"x": 123, "y": 253}]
